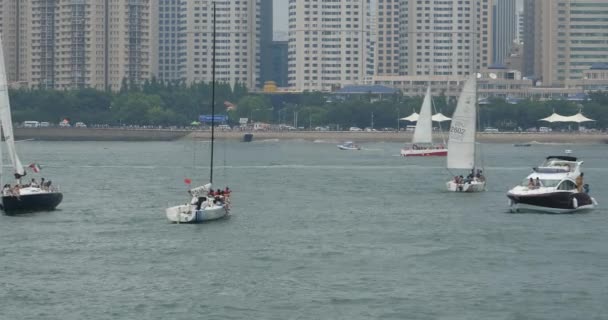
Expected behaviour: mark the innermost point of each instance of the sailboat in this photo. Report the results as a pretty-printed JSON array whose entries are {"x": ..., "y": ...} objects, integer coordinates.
[
  {"x": 20, "y": 198},
  {"x": 205, "y": 204},
  {"x": 461, "y": 141},
  {"x": 422, "y": 143}
]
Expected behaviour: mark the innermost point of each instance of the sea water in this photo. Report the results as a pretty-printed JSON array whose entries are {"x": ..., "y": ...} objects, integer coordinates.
[{"x": 315, "y": 233}]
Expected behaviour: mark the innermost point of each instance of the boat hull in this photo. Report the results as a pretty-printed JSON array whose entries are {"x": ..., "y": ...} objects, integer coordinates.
[
  {"x": 187, "y": 214},
  {"x": 46, "y": 201},
  {"x": 473, "y": 186},
  {"x": 348, "y": 148},
  {"x": 424, "y": 152},
  {"x": 552, "y": 202}
]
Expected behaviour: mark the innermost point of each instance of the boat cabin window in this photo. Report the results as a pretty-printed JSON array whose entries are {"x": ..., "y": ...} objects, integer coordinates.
[
  {"x": 544, "y": 182},
  {"x": 567, "y": 185},
  {"x": 565, "y": 166}
]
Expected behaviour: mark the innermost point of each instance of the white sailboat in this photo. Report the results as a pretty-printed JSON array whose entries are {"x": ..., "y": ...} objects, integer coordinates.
[
  {"x": 20, "y": 198},
  {"x": 461, "y": 141},
  {"x": 422, "y": 142},
  {"x": 205, "y": 205}
]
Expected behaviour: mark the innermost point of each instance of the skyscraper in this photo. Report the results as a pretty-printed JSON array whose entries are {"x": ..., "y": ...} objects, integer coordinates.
[
  {"x": 504, "y": 29},
  {"x": 387, "y": 37},
  {"x": 569, "y": 37},
  {"x": 237, "y": 42},
  {"x": 66, "y": 44},
  {"x": 529, "y": 27},
  {"x": 266, "y": 44},
  {"x": 328, "y": 43},
  {"x": 444, "y": 37},
  {"x": 171, "y": 46}
]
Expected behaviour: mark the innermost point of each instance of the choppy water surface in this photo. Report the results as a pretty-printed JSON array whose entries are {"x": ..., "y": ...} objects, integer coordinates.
[{"x": 316, "y": 233}]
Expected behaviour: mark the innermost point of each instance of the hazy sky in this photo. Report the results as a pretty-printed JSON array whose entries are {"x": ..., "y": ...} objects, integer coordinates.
[{"x": 281, "y": 14}]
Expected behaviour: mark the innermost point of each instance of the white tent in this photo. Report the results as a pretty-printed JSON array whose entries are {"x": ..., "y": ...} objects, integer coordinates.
[
  {"x": 438, "y": 117},
  {"x": 555, "y": 118},
  {"x": 578, "y": 118},
  {"x": 412, "y": 117}
]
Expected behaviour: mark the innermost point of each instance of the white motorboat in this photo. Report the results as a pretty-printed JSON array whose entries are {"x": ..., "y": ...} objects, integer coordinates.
[
  {"x": 349, "y": 145},
  {"x": 462, "y": 148},
  {"x": 422, "y": 142},
  {"x": 552, "y": 188}
]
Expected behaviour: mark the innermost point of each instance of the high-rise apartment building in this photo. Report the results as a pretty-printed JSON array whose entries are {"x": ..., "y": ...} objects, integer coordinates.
[
  {"x": 237, "y": 41},
  {"x": 171, "y": 37},
  {"x": 15, "y": 28},
  {"x": 65, "y": 44},
  {"x": 504, "y": 30},
  {"x": 444, "y": 37},
  {"x": 520, "y": 27},
  {"x": 328, "y": 43},
  {"x": 569, "y": 37},
  {"x": 386, "y": 37}
]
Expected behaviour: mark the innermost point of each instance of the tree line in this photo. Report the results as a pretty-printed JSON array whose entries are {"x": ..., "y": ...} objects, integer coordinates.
[{"x": 177, "y": 104}]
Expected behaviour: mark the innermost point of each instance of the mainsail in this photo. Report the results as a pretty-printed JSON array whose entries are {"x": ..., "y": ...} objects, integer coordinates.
[
  {"x": 5, "y": 116},
  {"x": 461, "y": 141},
  {"x": 424, "y": 127}
]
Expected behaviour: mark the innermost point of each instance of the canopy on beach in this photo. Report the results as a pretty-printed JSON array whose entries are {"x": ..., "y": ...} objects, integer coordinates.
[
  {"x": 438, "y": 117},
  {"x": 555, "y": 118},
  {"x": 578, "y": 118}
]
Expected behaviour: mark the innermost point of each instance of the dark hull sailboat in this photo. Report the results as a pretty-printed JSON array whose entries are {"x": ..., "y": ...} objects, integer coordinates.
[{"x": 21, "y": 198}]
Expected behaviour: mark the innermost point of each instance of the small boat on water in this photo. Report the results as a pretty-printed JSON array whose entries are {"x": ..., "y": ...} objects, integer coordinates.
[
  {"x": 349, "y": 145},
  {"x": 522, "y": 144},
  {"x": 205, "y": 204},
  {"x": 554, "y": 187},
  {"x": 462, "y": 148},
  {"x": 22, "y": 197},
  {"x": 422, "y": 142}
]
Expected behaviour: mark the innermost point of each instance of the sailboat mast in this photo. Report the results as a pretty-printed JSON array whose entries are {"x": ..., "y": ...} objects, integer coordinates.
[{"x": 212, "y": 97}]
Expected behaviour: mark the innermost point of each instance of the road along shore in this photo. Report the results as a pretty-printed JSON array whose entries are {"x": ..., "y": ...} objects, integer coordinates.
[
  {"x": 404, "y": 137},
  {"x": 123, "y": 134}
]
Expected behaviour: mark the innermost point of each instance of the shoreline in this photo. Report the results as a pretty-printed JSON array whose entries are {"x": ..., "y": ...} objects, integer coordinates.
[
  {"x": 404, "y": 137},
  {"x": 123, "y": 134}
]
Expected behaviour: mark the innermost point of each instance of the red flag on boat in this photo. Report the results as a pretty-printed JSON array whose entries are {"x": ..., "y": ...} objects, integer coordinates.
[
  {"x": 35, "y": 167},
  {"x": 187, "y": 181}
]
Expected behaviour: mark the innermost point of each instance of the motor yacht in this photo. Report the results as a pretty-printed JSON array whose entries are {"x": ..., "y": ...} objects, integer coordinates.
[{"x": 552, "y": 188}]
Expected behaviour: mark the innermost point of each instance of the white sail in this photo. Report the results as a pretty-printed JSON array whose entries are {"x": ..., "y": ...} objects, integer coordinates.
[
  {"x": 461, "y": 141},
  {"x": 5, "y": 116},
  {"x": 424, "y": 127}
]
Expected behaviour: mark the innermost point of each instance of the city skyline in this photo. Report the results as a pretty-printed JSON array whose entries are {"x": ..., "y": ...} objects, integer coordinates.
[{"x": 281, "y": 7}]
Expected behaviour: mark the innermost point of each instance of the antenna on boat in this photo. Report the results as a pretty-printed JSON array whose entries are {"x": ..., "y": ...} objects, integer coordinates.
[{"x": 212, "y": 96}]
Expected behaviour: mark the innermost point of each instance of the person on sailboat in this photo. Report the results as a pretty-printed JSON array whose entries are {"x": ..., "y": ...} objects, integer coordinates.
[
  {"x": 34, "y": 184},
  {"x": 579, "y": 182},
  {"x": 19, "y": 176},
  {"x": 6, "y": 190}
]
